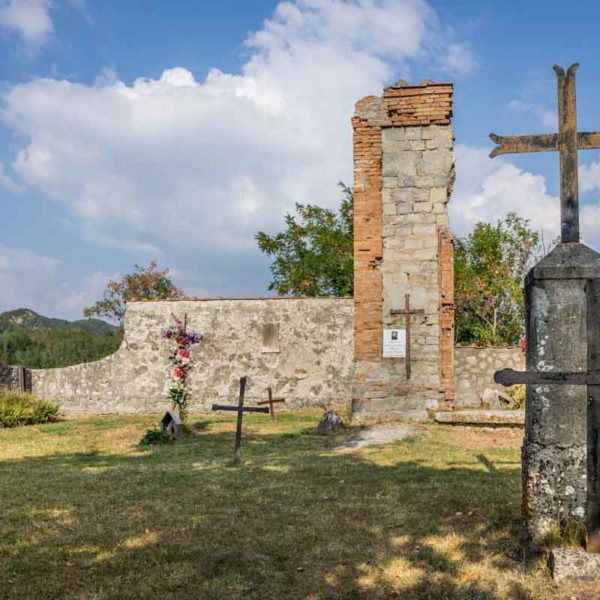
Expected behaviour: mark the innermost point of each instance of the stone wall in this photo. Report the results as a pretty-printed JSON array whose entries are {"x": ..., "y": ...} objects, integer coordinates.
[
  {"x": 403, "y": 178},
  {"x": 474, "y": 370},
  {"x": 9, "y": 377},
  {"x": 302, "y": 348}
]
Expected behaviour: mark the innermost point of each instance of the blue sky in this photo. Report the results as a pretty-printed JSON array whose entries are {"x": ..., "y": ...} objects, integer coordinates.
[{"x": 140, "y": 130}]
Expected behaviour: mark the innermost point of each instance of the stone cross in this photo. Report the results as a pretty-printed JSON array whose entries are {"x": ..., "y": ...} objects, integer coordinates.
[
  {"x": 590, "y": 378},
  {"x": 407, "y": 312},
  {"x": 567, "y": 141},
  {"x": 240, "y": 409},
  {"x": 570, "y": 269},
  {"x": 270, "y": 402}
]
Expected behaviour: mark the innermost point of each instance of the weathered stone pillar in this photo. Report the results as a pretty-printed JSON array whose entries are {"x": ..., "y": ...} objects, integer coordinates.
[
  {"x": 403, "y": 177},
  {"x": 555, "y": 444}
]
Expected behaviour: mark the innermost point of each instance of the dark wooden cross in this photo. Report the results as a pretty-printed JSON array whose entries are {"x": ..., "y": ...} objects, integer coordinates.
[
  {"x": 407, "y": 311},
  {"x": 590, "y": 378},
  {"x": 270, "y": 402},
  {"x": 567, "y": 141},
  {"x": 240, "y": 409}
]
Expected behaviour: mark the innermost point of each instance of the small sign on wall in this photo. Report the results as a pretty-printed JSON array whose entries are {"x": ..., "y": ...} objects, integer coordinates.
[{"x": 394, "y": 343}]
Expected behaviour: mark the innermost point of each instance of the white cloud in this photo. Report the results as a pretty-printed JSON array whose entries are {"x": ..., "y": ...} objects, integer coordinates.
[
  {"x": 91, "y": 289},
  {"x": 486, "y": 190},
  {"x": 7, "y": 182},
  {"x": 458, "y": 59},
  {"x": 201, "y": 166},
  {"x": 547, "y": 117},
  {"x": 29, "y": 19},
  {"x": 589, "y": 176},
  {"x": 27, "y": 279}
]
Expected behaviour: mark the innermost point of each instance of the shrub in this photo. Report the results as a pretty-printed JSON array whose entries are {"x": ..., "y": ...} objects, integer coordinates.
[
  {"x": 518, "y": 393},
  {"x": 153, "y": 437},
  {"x": 25, "y": 409}
]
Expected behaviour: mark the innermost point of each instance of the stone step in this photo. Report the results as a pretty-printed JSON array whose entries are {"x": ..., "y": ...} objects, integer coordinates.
[{"x": 508, "y": 418}]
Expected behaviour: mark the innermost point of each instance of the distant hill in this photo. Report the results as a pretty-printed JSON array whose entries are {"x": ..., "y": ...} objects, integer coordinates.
[{"x": 25, "y": 319}]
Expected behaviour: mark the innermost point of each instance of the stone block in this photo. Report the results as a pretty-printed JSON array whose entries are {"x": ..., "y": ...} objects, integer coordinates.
[
  {"x": 554, "y": 487},
  {"x": 393, "y": 134},
  {"x": 423, "y": 207},
  {"x": 482, "y": 417},
  {"x": 574, "y": 564},
  {"x": 436, "y": 163},
  {"x": 438, "y": 194}
]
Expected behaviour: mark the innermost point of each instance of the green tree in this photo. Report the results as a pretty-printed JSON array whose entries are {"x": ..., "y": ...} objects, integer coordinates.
[
  {"x": 314, "y": 255},
  {"x": 50, "y": 349},
  {"x": 145, "y": 283},
  {"x": 489, "y": 267}
]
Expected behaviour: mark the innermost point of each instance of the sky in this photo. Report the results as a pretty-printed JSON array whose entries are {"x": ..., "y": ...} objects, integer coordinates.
[{"x": 135, "y": 130}]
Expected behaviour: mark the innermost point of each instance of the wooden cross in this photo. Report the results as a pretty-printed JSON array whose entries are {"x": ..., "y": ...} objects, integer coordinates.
[
  {"x": 240, "y": 409},
  {"x": 590, "y": 378},
  {"x": 270, "y": 402},
  {"x": 407, "y": 312},
  {"x": 567, "y": 141}
]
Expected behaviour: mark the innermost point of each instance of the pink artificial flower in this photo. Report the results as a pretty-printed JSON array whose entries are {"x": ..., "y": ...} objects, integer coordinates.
[{"x": 184, "y": 353}]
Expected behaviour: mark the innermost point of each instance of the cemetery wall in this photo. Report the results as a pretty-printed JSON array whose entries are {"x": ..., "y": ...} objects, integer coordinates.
[
  {"x": 9, "y": 377},
  {"x": 474, "y": 370},
  {"x": 302, "y": 348}
]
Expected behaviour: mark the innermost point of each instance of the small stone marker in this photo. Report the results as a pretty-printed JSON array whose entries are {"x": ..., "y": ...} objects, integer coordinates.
[
  {"x": 329, "y": 423},
  {"x": 171, "y": 424},
  {"x": 240, "y": 409},
  {"x": 270, "y": 402},
  {"x": 574, "y": 564}
]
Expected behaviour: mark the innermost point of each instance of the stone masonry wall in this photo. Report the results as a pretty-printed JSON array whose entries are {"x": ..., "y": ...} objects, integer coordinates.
[
  {"x": 404, "y": 173},
  {"x": 8, "y": 376},
  {"x": 474, "y": 370},
  {"x": 302, "y": 348}
]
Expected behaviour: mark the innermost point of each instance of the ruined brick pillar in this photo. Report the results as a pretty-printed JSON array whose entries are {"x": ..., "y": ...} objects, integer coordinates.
[{"x": 403, "y": 177}]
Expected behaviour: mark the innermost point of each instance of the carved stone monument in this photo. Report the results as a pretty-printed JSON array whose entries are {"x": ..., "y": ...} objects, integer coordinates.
[{"x": 562, "y": 295}]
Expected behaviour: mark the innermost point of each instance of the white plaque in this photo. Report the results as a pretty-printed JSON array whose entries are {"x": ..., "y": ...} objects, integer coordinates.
[{"x": 394, "y": 343}]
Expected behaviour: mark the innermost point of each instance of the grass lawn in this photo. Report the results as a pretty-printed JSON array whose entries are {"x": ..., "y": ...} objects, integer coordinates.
[{"x": 88, "y": 514}]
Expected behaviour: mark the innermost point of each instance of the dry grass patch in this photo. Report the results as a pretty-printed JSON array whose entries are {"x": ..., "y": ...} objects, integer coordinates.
[{"x": 87, "y": 515}]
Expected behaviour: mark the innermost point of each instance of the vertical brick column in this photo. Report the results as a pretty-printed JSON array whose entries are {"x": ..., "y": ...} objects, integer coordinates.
[
  {"x": 403, "y": 175},
  {"x": 368, "y": 239}
]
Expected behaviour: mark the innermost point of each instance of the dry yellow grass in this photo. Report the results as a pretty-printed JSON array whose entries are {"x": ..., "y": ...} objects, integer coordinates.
[{"x": 87, "y": 514}]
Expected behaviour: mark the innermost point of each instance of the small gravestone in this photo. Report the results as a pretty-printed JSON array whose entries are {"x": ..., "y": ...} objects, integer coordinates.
[
  {"x": 490, "y": 399},
  {"x": 171, "y": 424},
  {"x": 330, "y": 422}
]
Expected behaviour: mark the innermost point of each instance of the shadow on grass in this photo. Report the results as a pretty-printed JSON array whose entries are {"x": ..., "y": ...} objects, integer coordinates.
[{"x": 297, "y": 520}]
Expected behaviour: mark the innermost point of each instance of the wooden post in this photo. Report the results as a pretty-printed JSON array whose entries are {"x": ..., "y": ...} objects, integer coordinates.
[
  {"x": 407, "y": 312},
  {"x": 271, "y": 410},
  {"x": 21, "y": 379},
  {"x": 238, "y": 429},
  {"x": 407, "y": 321}
]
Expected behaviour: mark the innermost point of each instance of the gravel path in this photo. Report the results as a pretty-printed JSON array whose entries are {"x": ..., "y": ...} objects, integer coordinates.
[{"x": 381, "y": 435}]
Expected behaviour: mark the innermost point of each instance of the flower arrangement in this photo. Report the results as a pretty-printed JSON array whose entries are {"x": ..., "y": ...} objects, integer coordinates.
[{"x": 181, "y": 362}]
